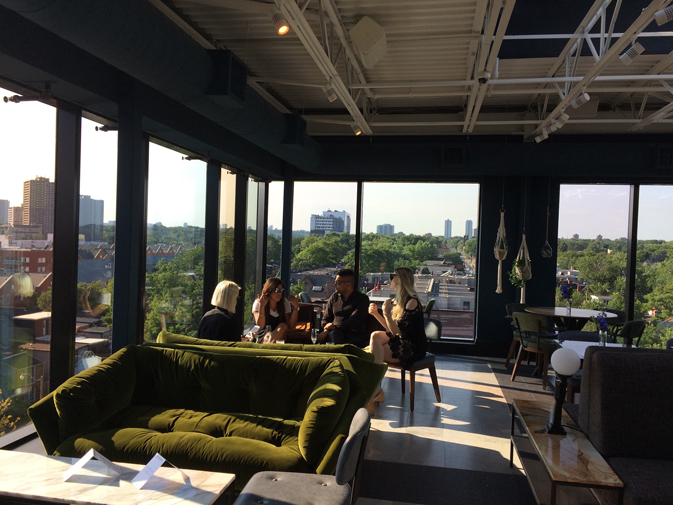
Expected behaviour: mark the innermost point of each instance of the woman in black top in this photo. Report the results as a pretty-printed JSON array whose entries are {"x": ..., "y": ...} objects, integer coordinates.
[
  {"x": 404, "y": 341},
  {"x": 220, "y": 323},
  {"x": 274, "y": 310}
]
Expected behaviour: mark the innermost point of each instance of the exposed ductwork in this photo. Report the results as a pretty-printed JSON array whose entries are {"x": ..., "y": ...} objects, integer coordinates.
[{"x": 138, "y": 39}]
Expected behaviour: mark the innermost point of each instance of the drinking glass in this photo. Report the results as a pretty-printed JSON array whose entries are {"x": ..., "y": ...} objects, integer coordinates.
[{"x": 314, "y": 336}]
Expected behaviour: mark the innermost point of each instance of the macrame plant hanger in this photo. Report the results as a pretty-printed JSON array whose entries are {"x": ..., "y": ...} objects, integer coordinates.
[
  {"x": 500, "y": 248},
  {"x": 523, "y": 268}
]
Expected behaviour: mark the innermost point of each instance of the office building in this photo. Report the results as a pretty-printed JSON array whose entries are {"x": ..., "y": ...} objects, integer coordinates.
[
  {"x": 468, "y": 228},
  {"x": 330, "y": 221},
  {"x": 343, "y": 215},
  {"x": 385, "y": 229},
  {"x": 475, "y": 233},
  {"x": 4, "y": 211},
  {"x": 38, "y": 203},
  {"x": 15, "y": 216},
  {"x": 91, "y": 218},
  {"x": 447, "y": 229}
]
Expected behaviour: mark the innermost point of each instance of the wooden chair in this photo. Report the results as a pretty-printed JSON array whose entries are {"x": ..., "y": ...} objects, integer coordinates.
[
  {"x": 433, "y": 331},
  {"x": 511, "y": 308},
  {"x": 531, "y": 327}
]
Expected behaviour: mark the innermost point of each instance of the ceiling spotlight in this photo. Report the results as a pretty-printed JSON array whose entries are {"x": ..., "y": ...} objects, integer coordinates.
[
  {"x": 356, "y": 128},
  {"x": 664, "y": 15},
  {"x": 562, "y": 119},
  {"x": 329, "y": 91},
  {"x": 106, "y": 128},
  {"x": 280, "y": 23},
  {"x": 580, "y": 100},
  {"x": 553, "y": 127},
  {"x": 543, "y": 136},
  {"x": 631, "y": 53}
]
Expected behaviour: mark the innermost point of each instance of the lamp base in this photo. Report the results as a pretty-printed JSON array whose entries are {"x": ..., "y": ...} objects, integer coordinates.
[{"x": 556, "y": 430}]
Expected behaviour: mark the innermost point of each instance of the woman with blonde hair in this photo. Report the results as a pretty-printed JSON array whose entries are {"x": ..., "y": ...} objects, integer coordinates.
[
  {"x": 220, "y": 323},
  {"x": 404, "y": 340},
  {"x": 273, "y": 309}
]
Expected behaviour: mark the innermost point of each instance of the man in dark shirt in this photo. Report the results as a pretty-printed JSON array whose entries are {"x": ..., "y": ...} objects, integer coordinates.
[{"x": 345, "y": 317}]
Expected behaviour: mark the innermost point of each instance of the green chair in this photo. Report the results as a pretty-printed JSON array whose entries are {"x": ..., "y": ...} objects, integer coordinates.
[
  {"x": 428, "y": 307},
  {"x": 632, "y": 331},
  {"x": 532, "y": 327},
  {"x": 304, "y": 297},
  {"x": 511, "y": 308},
  {"x": 615, "y": 325}
]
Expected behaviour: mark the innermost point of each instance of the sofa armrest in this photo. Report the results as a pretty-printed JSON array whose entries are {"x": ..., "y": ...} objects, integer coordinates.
[{"x": 45, "y": 419}]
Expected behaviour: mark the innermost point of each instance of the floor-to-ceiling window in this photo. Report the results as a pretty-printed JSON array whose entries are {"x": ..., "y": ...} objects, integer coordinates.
[
  {"x": 654, "y": 264},
  {"x": 227, "y": 213},
  {"x": 275, "y": 228},
  {"x": 27, "y": 151},
  {"x": 323, "y": 235},
  {"x": 175, "y": 241},
  {"x": 431, "y": 229},
  {"x": 250, "y": 252},
  {"x": 96, "y": 258},
  {"x": 592, "y": 244}
]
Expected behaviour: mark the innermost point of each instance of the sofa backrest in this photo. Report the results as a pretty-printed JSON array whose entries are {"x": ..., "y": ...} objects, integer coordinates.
[
  {"x": 626, "y": 401},
  {"x": 166, "y": 337}
]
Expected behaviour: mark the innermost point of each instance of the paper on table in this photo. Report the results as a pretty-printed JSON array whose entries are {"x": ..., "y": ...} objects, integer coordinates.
[
  {"x": 150, "y": 469},
  {"x": 86, "y": 458}
]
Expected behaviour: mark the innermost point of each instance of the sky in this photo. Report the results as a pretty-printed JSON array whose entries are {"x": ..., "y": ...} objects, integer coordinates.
[{"x": 177, "y": 188}]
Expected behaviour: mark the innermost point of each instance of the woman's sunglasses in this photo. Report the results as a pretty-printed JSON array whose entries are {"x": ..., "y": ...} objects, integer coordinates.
[{"x": 279, "y": 290}]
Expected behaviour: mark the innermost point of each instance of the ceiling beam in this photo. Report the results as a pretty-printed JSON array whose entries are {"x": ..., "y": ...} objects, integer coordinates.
[
  {"x": 645, "y": 18},
  {"x": 661, "y": 65}
]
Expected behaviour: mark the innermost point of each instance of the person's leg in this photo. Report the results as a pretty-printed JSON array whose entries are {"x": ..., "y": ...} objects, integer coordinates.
[
  {"x": 380, "y": 348},
  {"x": 279, "y": 333},
  {"x": 335, "y": 336}
]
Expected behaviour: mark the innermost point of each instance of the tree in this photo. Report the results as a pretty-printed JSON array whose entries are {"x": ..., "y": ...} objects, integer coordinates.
[
  {"x": 297, "y": 288},
  {"x": 44, "y": 300},
  {"x": 273, "y": 248},
  {"x": 7, "y": 421},
  {"x": 453, "y": 257}
]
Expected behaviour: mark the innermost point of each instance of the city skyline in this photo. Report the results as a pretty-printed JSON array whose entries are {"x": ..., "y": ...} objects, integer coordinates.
[{"x": 27, "y": 151}]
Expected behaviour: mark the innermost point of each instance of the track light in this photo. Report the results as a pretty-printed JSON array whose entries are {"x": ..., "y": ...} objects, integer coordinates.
[
  {"x": 543, "y": 136},
  {"x": 632, "y": 53},
  {"x": 356, "y": 129},
  {"x": 280, "y": 23},
  {"x": 329, "y": 91},
  {"x": 553, "y": 127},
  {"x": 106, "y": 128},
  {"x": 664, "y": 15},
  {"x": 580, "y": 100},
  {"x": 562, "y": 119},
  {"x": 45, "y": 96}
]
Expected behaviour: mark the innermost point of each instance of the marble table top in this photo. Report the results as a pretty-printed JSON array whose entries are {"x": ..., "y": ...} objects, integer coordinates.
[
  {"x": 38, "y": 477},
  {"x": 570, "y": 458}
]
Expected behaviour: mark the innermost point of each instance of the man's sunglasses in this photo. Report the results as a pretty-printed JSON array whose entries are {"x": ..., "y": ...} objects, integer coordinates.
[{"x": 279, "y": 290}]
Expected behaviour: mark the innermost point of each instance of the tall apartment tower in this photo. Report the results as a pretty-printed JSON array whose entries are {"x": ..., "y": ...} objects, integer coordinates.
[
  {"x": 385, "y": 229},
  {"x": 38, "y": 203},
  {"x": 15, "y": 216},
  {"x": 4, "y": 211},
  {"x": 340, "y": 214},
  {"x": 91, "y": 218},
  {"x": 447, "y": 229},
  {"x": 468, "y": 228}
]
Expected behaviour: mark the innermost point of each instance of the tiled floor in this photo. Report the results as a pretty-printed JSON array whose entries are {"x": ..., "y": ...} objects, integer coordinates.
[{"x": 453, "y": 451}]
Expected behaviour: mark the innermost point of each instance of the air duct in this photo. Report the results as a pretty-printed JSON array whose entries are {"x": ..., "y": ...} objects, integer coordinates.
[{"x": 138, "y": 39}]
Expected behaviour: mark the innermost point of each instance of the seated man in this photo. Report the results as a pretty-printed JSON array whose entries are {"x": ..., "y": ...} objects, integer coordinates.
[{"x": 344, "y": 319}]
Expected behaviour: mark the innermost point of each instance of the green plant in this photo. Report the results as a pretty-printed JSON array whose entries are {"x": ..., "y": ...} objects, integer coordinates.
[{"x": 515, "y": 276}]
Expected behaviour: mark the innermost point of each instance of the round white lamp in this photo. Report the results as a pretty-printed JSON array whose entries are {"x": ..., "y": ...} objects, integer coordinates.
[{"x": 565, "y": 362}]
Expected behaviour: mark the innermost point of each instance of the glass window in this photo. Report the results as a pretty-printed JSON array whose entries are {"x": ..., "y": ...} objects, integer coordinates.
[
  {"x": 323, "y": 235},
  {"x": 432, "y": 229},
  {"x": 175, "y": 243},
  {"x": 27, "y": 154},
  {"x": 592, "y": 244},
  {"x": 95, "y": 265},
  {"x": 250, "y": 252},
  {"x": 227, "y": 214},
  {"x": 654, "y": 265}
]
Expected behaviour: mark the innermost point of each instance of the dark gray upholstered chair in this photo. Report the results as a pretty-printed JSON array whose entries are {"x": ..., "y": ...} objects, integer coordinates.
[
  {"x": 669, "y": 343},
  {"x": 615, "y": 325},
  {"x": 428, "y": 307},
  {"x": 532, "y": 328},
  {"x": 632, "y": 331},
  {"x": 433, "y": 331},
  {"x": 511, "y": 308},
  {"x": 286, "y": 488}
]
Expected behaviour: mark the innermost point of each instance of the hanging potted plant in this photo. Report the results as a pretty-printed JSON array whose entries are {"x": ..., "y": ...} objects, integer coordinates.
[{"x": 516, "y": 273}]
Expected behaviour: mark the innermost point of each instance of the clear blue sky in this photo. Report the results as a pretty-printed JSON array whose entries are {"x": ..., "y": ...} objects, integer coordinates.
[{"x": 177, "y": 188}]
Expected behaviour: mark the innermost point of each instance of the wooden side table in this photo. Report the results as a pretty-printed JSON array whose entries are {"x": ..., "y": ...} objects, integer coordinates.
[{"x": 550, "y": 461}]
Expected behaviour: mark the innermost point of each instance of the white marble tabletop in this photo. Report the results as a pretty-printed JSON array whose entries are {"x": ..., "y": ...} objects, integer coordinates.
[
  {"x": 580, "y": 347},
  {"x": 34, "y": 476}
]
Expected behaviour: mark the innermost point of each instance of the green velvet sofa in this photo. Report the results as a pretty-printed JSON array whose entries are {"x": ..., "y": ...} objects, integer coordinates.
[{"x": 229, "y": 412}]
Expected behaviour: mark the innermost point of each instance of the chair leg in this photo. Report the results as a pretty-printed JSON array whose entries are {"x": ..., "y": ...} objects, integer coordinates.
[
  {"x": 512, "y": 347},
  {"x": 570, "y": 395},
  {"x": 518, "y": 361},
  {"x": 435, "y": 383},
  {"x": 403, "y": 379},
  {"x": 528, "y": 359},
  {"x": 412, "y": 388},
  {"x": 545, "y": 364}
]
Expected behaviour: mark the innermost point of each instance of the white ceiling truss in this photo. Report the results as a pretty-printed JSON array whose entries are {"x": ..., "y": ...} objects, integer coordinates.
[{"x": 438, "y": 51}]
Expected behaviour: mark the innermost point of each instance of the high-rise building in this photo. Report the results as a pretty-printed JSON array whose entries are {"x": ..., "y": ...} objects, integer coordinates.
[
  {"x": 4, "y": 211},
  {"x": 91, "y": 218},
  {"x": 385, "y": 229},
  {"x": 343, "y": 215},
  {"x": 447, "y": 229},
  {"x": 468, "y": 228},
  {"x": 330, "y": 221},
  {"x": 475, "y": 232},
  {"x": 38, "y": 203},
  {"x": 576, "y": 236},
  {"x": 15, "y": 216}
]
